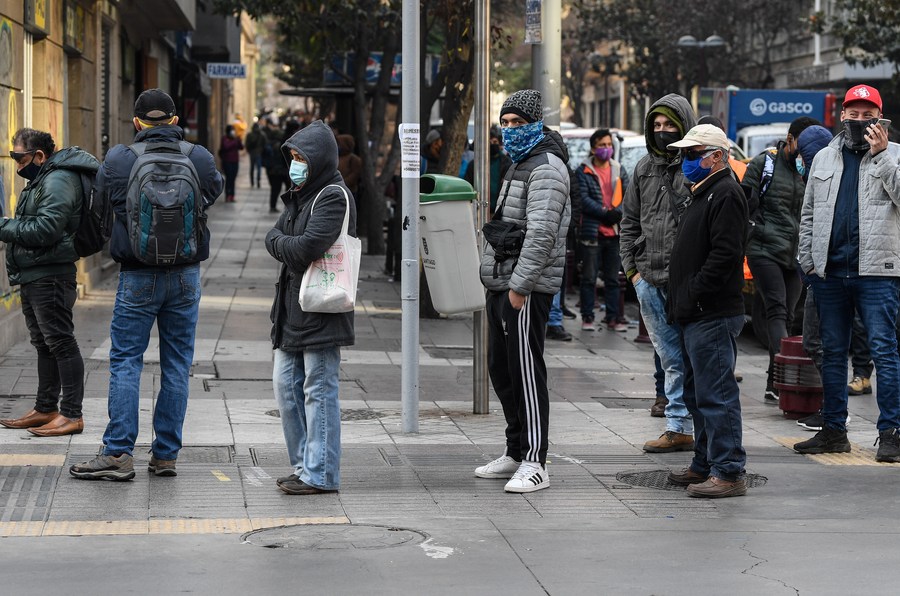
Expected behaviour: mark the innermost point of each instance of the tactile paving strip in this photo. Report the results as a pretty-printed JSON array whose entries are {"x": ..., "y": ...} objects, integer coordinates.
[
  {"x": 26, "y": 492},
  {"x": 858, "y": 456}
]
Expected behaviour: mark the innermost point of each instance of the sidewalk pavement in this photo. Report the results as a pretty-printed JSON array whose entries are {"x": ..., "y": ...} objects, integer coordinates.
[{"x": 410, "y": 517}]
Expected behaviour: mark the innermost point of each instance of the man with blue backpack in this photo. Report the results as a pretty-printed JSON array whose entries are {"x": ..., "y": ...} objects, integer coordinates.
[{"x": 159, "y": 189}]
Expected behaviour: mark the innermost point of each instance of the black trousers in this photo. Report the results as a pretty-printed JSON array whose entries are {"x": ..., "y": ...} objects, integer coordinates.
[
  {"x": 780, "y": 290},
  {"x": 518, "y": 372},
  {"x": 275, "y": 182},
  {"x": 47, "y": 305}
]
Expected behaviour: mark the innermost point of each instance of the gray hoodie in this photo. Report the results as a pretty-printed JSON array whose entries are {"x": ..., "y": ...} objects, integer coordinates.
[
  {"x": 301, "y": 235},
  {"x": 656, "y": 197}
]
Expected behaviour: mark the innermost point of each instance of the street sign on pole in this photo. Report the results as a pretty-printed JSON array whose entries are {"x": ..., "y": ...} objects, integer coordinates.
[{"x": 226, "y": 70}]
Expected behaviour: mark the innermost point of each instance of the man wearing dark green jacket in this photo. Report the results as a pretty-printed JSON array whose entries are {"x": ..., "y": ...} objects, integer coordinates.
[
  {"x": 40, "y": 256},
  {"x": 774, "y": 182}
]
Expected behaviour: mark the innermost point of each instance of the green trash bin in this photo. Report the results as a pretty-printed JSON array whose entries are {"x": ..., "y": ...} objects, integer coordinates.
[{"x": 448, "y": 246}]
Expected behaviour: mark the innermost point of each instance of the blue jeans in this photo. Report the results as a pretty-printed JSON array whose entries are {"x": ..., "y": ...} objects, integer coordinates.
[
  {"x": 171, "y": 299},
  {"x": 877, "y": 300},
  {"x": 666, "y": 340},
  {"x": 604, "y": 257},
  {"x": 306, "y": 390},
  {"x": 710, "y": 353},
  {"x": 556, "y": 316}
]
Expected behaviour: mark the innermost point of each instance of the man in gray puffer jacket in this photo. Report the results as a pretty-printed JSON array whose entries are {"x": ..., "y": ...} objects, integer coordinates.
[
  {"x": 656, "y": 198},
  {"x": 534, "y": 195}
]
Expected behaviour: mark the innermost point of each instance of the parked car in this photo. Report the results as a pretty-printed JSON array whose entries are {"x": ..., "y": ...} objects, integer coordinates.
[
  {"x": 578, "y": 142},
  {"x": 753, "y": 140}
]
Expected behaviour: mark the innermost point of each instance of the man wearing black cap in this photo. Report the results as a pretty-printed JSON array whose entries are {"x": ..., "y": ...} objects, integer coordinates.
[
  {"x": 166, "y": 295},
  {"x": 850, "y": 253},
  {"x": 521, "y": 283}
]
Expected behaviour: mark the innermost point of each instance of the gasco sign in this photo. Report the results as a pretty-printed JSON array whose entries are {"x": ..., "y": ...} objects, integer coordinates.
[{"x": 760, "y": 107}]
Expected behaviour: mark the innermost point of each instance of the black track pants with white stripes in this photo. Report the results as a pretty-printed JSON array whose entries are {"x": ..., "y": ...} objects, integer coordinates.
[{"x": 518, "y": 373}]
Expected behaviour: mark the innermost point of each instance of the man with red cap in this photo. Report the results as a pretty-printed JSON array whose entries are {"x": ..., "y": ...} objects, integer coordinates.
[{"x": 850, "y": 252}]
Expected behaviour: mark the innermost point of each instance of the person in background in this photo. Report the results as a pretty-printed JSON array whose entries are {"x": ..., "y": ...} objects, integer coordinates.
[
  {"x": 40, "y": 258},
  {"x": 254, "y": 144},
  {"x": 276, "y": 169},
  {"x": 350, "y": 165},
  {"x": 602, "y": 182},
  {"x": 240, "y": 126},
  {"x": 431, "y": 151},
  {"x": 498, "y": 162},
  {"x": 230, "y": 148},
  {"x": 775, "y": 186},
  {"x": 850, "y": 252}
]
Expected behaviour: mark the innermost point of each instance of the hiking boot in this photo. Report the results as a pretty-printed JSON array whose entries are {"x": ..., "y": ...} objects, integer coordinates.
[
  {"x": 298, "y": 487},
  {"x": 558, "y": 333},
  {"x": 530, "y": 476},
  {"x": 859, "y": 386},
  {"x": 686, "y": 477},
  {"x": 283, "y": 479},
  {"x": 502, "y": 467},
  {"x": 827, "y": 440},
  {"x": 105, "y": 467},
  {"x": 658, "y": 409},
  {"x": 162, "y": 467},
  {"x": 670, "y": 441},
  {"x": 716, "y": 488},
  {"x": 889, "y": 447}
]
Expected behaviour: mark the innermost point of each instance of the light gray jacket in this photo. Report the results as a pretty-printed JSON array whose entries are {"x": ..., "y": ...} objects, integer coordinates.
[
  {"x": 535, "y": 193},
  {"x": 879, "y": 210}
]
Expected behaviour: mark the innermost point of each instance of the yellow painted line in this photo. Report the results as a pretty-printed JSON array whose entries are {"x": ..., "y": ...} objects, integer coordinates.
[
  {"x": 858, "y": 456},
  {"x": 157, "y": 526},
  {"x": 218, "y": 474},
  {"x": 31, "y": 459}
]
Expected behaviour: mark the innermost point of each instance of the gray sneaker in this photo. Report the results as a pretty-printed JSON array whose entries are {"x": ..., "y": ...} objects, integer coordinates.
[
  {"x": 162, "y": 467},
  {"x": 105, "y": 467}
]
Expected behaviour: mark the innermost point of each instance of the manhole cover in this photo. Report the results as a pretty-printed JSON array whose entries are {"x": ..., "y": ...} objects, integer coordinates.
[
  {"x": 660, "y": 479},
  {"x": 346, "y": 415},
  {"x": 334, "y": 537}
]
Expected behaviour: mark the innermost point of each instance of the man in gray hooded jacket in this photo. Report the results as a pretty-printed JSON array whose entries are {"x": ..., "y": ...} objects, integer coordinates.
[
  {"x": 656, "y": 198},
  {"x": 534, "y": 195}
]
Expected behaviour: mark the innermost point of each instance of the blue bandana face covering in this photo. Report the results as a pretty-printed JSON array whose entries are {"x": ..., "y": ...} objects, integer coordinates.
[
  {"x": 519, "y": 140},
  {"x": 693, "y": 171}
]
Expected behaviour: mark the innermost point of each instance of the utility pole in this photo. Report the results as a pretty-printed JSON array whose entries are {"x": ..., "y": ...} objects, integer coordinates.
[
  {"x": 480, "y": 391},
  {"x": 546, "y": 61}
]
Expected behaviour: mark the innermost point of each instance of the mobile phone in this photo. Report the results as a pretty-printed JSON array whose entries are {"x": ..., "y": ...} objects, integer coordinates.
[{"x": 885, "y": 124}]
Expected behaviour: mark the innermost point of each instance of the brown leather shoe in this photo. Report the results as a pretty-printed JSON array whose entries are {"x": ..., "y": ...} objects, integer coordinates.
[
  {"x": 686, "y": 477},
  {"x": 30, "y": 420},
  {"x": 670, "y": 441},
  {"x": 59, "y": 426},
  {"x": 658, "y": 409},
  {"x": 716, "y": 488}
]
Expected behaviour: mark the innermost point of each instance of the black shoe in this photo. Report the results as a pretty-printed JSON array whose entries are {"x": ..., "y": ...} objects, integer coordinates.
[
  {"x": 558, "y": 333},
  {"x": 283, "y": 479},
  {"x": 771, "y": 396},
  {"x": 827, "y": 440},
  {"x": 889, "y": 448},
  {"x": 813, "y": 421},
  {"x": 568, "y": 313}
]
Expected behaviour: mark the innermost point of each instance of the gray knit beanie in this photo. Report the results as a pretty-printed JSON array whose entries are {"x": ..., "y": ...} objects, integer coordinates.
[{"x": 525, "y": 103}]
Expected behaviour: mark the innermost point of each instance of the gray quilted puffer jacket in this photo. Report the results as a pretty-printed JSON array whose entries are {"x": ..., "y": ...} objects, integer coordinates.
[
  {"x": 879, "y": 210},
  {"x": 536, "y": 192}
]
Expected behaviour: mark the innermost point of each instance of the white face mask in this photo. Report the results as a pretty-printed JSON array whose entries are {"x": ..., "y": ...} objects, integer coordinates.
[{"x": 299, "y": 172}]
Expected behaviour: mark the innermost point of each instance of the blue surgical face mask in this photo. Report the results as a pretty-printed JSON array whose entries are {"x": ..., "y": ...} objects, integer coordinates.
[
  {"x": 520, "y": 140},
  {"x": 299, "y": 172},
  {"x": 801, "y": 167},
  {"x": 693, "y": 171}
]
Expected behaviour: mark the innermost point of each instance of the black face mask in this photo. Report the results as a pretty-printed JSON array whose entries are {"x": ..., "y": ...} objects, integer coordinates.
[
  {"x": 855, "y": 133},
  {"x": 495, "y": 150},
  {"x": 664, "y": 138},
  {"x": 30, "y": 171}
]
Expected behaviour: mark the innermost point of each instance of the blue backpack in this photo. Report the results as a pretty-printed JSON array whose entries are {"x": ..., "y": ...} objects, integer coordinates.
[{"x": 164, "y": 205}]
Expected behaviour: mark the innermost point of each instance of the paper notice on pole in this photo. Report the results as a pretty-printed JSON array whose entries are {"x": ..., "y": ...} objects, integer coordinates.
[
  {"x": 411, "y": 157},
  {"x": 533, "y": 28}
]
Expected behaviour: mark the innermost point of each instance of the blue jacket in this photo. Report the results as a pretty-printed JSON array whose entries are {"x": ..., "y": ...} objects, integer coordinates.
[
  {"x": 593, "y": 213},
  {"x": 112, "y": 179}
]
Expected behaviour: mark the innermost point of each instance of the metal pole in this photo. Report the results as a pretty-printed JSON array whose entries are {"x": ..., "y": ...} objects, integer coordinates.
[
  {"x": 546, "y": 61},
  {"x": 409, "y": 266},
  {"x": 480, "y": 391}
]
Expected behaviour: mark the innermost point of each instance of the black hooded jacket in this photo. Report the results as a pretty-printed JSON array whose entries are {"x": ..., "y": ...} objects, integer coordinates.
[{"x": 302, "y": 235}]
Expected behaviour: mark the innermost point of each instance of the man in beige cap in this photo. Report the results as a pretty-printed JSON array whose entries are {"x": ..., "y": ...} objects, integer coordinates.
[{"x": 705, "y": 281}]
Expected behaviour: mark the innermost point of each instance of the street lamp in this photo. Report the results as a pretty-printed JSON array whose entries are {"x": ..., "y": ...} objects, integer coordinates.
[
  {"x": 606, "y": 64},
  {"x": 713, "y": 41}
]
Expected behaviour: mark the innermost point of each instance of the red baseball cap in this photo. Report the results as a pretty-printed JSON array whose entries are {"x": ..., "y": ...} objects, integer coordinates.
[{"x": 863, "y": 93}]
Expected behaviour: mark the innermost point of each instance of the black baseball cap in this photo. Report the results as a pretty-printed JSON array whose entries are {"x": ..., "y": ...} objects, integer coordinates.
[{"x": 154, "y": 105}]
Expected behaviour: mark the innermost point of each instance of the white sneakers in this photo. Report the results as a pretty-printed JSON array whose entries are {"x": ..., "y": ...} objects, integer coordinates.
[
  {"x": 502, "y": 467},
  {"x": 530, "y": 476},
  {"x": 525, "y": 477}
]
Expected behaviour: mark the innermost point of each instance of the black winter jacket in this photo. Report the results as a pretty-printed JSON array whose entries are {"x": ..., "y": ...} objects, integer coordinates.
[
  {"x": 706, "y": 270},
  {"x": 302, "y": 235},
  {"x": 593, "y": 213},
  {"x": 113, "y": 176},
  {"x": 40, "y": 238}
]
